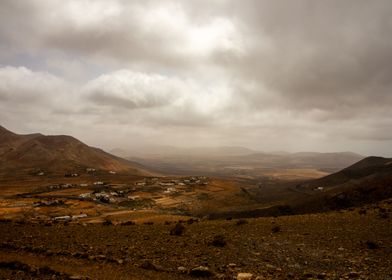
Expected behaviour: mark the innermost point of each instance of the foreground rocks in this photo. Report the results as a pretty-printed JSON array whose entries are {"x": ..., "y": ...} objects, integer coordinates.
[{"x": 337, "y": 245}]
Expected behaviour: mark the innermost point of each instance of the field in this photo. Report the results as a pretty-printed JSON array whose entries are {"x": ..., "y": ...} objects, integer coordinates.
[{"x": 98, "y": 196}]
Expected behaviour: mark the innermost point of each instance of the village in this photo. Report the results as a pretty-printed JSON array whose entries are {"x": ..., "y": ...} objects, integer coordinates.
[
  {"x": 117, "y": 193},
  {"x": 149, "y": 193}
]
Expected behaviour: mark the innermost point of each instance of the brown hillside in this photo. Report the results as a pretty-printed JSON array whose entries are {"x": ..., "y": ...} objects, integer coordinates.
[
  {"x": 57, "y": 154},
  {"x": 366, "y": 181}
]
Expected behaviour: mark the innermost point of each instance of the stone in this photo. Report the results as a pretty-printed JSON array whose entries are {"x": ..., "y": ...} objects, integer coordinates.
[
  {"x": 150, "y": 266},
  {"x": 321, "y": 275},
  {"x": 270, "y": 266},
  {"x": 218, "y": 241},
  {"x": 307, "y": 275},
  {"x": 201, "y": 271},
  {"x": 353, "y": 274},
  {"x": 244, "y": 276}
]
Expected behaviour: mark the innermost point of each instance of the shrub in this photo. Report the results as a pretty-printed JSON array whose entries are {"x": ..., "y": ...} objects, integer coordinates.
[{"x": 178, "y": 229}]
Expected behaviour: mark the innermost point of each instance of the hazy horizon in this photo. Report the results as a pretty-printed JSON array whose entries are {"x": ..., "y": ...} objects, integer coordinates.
[
  {"x": 269, "y": 76},
  {"x": 148, "y": 150}
]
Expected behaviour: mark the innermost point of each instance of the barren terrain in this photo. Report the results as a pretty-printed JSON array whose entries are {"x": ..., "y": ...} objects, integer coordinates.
[
  {"x": 102, "y": 217},
  {"x": 350, "y": 244}
]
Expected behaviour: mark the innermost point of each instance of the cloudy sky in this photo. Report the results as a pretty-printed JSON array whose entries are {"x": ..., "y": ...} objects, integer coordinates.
[{"x": 270, "y": 75}]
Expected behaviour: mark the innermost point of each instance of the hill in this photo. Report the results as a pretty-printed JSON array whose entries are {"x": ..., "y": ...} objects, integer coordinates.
[
  {"x": 56, "y": 154},
  {"x": 367, "y": 181},
  {"x": 366, "y": 169}
]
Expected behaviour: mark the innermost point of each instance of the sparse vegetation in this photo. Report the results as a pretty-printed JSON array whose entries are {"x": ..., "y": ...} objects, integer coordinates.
[
  {"x": 178, "y": 229},
  {"x": 107, "y": 222},
  {"x": 218, "y": 241},
  {"x": 372, "y": 245},
  {"x": 241, "y": 222},
  {"x": 276, "y": 229},
  {"x": 128, "y": 223}
]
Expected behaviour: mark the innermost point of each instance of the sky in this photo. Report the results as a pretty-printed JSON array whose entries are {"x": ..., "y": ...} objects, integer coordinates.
[{"x": 278, "y": 75}]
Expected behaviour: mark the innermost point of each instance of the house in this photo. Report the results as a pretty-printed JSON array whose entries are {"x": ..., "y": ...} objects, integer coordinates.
[
  {"x": 84, "y": 195},
  {"x": 62, "y": 218},
  {"x": 103, "y": 197},
  {"x": 166, "y": 184},
  {"x": 74, "y": 217},
  {"x": 170, "y": 190}
]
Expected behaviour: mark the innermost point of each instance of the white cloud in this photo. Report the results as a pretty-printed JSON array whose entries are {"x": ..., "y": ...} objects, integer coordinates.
[
  {"x": 134, "y": 90},
  {"x": 22, "y": 86}
]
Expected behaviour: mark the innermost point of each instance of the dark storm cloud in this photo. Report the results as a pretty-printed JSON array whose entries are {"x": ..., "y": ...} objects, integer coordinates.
[{"x": 218, "y": 72}]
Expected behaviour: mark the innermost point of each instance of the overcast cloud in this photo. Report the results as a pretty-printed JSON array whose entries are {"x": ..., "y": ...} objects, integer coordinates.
[{"x": 270, "y": 75}]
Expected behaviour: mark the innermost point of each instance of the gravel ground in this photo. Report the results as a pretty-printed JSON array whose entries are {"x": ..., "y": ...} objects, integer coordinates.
[{"x": 350, "y": 244}]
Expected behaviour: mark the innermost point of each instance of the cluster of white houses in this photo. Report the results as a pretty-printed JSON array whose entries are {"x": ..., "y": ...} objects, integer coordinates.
[{"x": 160, "y": 185}]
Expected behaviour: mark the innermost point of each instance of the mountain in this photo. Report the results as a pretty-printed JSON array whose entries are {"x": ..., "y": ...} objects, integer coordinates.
[
  {"x": 366, "y": 181},
  {"x": 56, "y": 154}
]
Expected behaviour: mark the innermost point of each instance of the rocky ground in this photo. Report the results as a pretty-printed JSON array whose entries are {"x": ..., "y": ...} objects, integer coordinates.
[{"x": 349, "y": 244}]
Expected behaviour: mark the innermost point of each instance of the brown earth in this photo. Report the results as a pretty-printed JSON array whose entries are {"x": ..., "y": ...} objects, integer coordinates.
[{"x": 350, "y": 244}]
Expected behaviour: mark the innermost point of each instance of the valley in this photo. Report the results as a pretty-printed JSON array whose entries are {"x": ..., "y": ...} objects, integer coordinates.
[{"x": 242, "y": 216}]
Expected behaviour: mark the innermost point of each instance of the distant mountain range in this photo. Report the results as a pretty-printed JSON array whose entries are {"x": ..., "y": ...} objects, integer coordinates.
[
  {"x": 165, "y": 151},
  {"x": 226, "y": 160},
  {"x": 63, "y": 153},
  {"x": 56, "y": 154}
]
